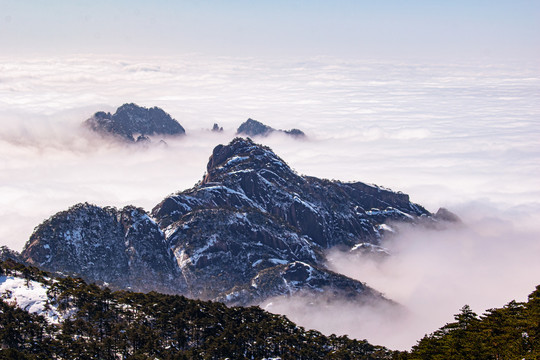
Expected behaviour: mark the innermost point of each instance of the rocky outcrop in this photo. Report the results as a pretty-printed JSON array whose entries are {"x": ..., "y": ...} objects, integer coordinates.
[
  {"x": 300, "y": 278},
  {"x": 246, "y": 175},
  {"x": 105, "y": 244},
  {"x": 217, "y": 128},
  {"x": 251, "y": 229},
  {"x": 255, "y": 128},
  {"x": 134, "y": 123}
]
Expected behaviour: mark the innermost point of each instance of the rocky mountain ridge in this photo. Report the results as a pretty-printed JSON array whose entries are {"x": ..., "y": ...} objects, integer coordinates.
[
  {"x": 134, "y": 123},
  {"x": 251, "y": 229}
]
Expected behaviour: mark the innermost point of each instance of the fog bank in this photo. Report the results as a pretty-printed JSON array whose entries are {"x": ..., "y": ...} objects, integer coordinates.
[
  {"x": 485, "y": 262},
  {"x": 464, "y": 136}
]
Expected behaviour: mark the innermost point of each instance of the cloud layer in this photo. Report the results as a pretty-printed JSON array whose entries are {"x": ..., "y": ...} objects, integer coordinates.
[{"x": 463, "y": 136}]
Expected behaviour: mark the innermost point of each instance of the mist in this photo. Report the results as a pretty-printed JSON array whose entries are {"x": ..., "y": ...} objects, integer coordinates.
[
  {"x": 484, "y": 262},
  {"x": 464, "y": 136}
]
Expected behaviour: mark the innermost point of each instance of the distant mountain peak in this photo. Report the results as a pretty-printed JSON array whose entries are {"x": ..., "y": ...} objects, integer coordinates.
[
  {"x": 132, "y": 122},
  {"x": 253, "y": 127}
]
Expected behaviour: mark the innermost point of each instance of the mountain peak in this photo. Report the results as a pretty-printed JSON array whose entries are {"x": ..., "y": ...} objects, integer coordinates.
[
  {"x": 253, "y": 127},
  {"x": 242, "y": 154},
  {"x": 252, "y": 229},
  {"x": 131, "y": 120}
]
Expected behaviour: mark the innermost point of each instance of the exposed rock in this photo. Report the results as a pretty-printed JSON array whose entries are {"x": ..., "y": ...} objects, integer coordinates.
[
  {"x": 295, "y": 132},
  {"x": 130, "y": 120},
  {"x": 299, "y": 278},
  {"x": 252, "y": 229},
  {"x": 255, "y": 128},
  {"x": 142, "y": 139},
  {"x": 446, "y": 215},
  {"x": 8, "y": 254},
  {"x": 217, "y": 128},
  {"x": 105, "y": 244}
]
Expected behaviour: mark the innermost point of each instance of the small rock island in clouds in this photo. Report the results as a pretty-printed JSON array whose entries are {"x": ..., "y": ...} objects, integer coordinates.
[
  {"x": 133, "y": 123},
  {"x": 256, "y": 128}
]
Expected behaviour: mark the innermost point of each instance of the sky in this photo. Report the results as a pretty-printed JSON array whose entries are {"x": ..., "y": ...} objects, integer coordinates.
[
  {"x": 372, "y": 29},
  {"x": 435, "y": 99}
]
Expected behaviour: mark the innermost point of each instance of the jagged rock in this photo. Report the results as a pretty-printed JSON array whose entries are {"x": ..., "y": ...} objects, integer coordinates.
[
  {"x": 143, "y": 139},
  {"x": 251, "y": 229},
  {"x": 217, "y": 128},
  {"x": 131, "y": 120},
  {"x": 295, "y": 132},
  {"x": 105, "y": 244},
  {"x": 255, "y": 128},
  {"x": 446, "y": 215}
]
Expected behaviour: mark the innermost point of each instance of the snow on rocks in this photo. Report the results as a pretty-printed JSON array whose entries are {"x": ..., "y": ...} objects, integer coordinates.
[{"x": 31, "y": 296}]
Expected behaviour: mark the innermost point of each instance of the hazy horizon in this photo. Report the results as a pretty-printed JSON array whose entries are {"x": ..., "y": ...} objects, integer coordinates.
[{"x": 388, "y": 29}]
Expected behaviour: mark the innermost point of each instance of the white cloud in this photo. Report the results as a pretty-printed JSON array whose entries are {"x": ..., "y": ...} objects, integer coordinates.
[
  {"x": 485, "y": 262},
  {"x": 464, "y": 136}
]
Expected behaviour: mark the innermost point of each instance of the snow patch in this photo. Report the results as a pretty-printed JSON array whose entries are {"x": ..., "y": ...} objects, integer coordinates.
[
  {"x": 388, "y": 211},
  {"x": 235, "y": 160},
  {"x": 182, "y": 259},
  {"x": 385, "y": 227},
  {"x": 30, "y": 296},
  {"x": 256, "y": 263},
  {"x": 243, "y": 196},
  {"x": 278, "y": 261}
]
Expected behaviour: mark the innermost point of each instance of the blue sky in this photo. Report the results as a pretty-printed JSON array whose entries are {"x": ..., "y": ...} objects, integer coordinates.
[{"x": 373, "y": 29}]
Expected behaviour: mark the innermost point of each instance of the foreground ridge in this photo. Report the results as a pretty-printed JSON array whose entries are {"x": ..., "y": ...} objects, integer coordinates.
[{"x": 70, "y": 319}]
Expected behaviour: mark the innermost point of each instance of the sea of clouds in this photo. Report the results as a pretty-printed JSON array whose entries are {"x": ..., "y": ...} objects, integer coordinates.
[{"x": 463, "y": 136}]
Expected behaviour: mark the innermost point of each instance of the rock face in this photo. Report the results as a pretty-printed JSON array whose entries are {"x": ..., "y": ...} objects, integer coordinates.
[
  {"x": 105, "y": 244},
  {"x": 251, "y": 229},
  {"x": 134, "y": 123},
  {"x": 255, "y": 128}
]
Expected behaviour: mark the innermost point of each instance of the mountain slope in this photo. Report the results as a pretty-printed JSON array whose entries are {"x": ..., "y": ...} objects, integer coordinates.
[
  {"x": 251, "y": 229},
  {"x": 93, "y": 323},
  {"x": 105, "y": 244}
]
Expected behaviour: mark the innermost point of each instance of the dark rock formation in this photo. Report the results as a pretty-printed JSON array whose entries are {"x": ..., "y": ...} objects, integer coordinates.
[
  {"x": 251, "y": 229},
  {"x": 217, "y": 128},
  {"x": 105, "y": 244},
  {"x": 8, "y": 254},
  {"x": 255, "y": 128},
  {"x": 295, "y": 132},
  {"x": 131, "y": 121},
  {"x": 446, "y": 215}
]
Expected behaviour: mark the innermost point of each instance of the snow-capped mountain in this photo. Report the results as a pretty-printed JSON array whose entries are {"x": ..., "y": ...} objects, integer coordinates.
[{"x": 251, "y": 229}]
